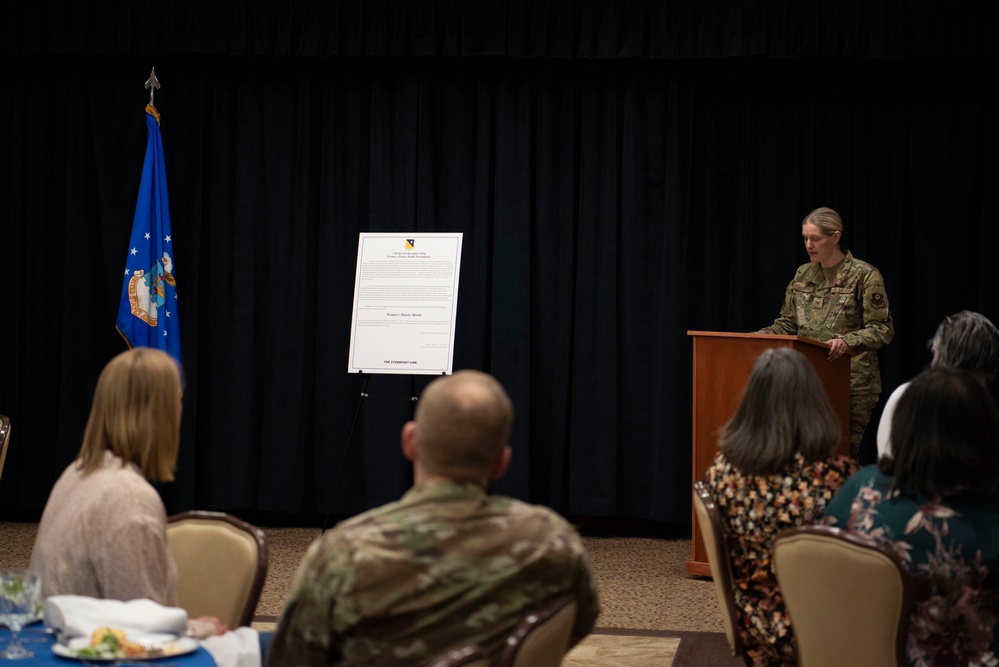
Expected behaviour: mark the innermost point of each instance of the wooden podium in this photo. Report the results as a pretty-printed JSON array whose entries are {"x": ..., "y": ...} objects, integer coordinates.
[{"x": 722, "y": 364}]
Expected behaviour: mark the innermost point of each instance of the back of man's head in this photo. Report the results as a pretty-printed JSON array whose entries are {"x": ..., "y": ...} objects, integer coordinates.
[
  {"x": 462, "y": 425},
  {"x": 969, "y": 341}
]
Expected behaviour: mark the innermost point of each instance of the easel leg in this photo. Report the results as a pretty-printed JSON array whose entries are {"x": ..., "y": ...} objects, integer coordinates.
[{"x": 343, "y": 461}]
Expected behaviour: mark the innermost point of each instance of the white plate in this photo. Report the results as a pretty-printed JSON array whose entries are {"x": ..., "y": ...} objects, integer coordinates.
[{"x": 171, "y": 645}]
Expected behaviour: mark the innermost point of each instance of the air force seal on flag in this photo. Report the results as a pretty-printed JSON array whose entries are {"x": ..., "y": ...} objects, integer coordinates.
[{"x": 147, "y": 289}]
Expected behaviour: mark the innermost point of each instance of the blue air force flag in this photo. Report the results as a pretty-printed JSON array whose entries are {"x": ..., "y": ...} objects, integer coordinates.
[{"x": 148, "y": 314}]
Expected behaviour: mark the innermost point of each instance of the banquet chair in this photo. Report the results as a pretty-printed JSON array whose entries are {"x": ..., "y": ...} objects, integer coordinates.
[
  {"x": 712, "y": 528},
  {"x": 466, "y": 656},
  {"x": 4, "y": 440},
  {"x": 543, "y": 636},
  {"x": 848, "y": 596},
  {"x": 221, "y": 565}
]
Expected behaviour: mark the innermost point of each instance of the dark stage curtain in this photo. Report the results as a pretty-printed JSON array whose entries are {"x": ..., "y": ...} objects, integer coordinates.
[
  {"x": 564, "y": 29},
  {"x": 623, "y": 172}
]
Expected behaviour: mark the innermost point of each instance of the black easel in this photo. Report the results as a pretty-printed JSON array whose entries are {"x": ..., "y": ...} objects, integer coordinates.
[{"x": 350, "y": 438}]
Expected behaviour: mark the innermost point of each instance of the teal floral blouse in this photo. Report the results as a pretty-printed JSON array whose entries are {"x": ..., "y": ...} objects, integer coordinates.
[
  {"x": 757, "y": 508},
  {"x": 951, "y": 547}
]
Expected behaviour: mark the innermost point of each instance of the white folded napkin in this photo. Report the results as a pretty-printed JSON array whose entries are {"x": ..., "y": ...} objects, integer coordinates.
[
  {"x": 237, "y": 648},
  {"x": 79, "y": 616}
]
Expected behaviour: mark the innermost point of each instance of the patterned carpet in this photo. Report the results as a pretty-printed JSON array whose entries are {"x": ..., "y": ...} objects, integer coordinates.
[{"x": 653, "y": 612}]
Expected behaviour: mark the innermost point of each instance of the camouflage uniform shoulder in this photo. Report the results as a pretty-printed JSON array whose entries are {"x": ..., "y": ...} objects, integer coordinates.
[
  {"x": 537, "y": 514},
  {"x": 855, "y": 265}
]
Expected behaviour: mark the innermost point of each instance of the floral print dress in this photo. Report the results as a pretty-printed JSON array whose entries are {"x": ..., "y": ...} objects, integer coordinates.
[
  {"x": 952, "y": 550},
  {"x": 756, "y": 508}
]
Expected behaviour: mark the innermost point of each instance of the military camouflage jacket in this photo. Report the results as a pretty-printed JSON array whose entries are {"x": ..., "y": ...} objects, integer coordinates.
[
  {"x": 851, "y": 305},
  {"x": 445, "y": 566}
]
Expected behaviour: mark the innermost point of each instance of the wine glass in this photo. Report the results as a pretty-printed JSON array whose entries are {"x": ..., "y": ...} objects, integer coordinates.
[{"x": 20, "y": 590}]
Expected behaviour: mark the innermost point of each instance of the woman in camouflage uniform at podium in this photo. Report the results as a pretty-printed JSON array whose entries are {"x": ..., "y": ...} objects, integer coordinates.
[{"x": 838, "y": 299}]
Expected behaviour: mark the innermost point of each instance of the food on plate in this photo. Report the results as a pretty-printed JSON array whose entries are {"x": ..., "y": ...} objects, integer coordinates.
[
  {"x": 112, "y": 643},
  {"x": 114, "y": 638}
]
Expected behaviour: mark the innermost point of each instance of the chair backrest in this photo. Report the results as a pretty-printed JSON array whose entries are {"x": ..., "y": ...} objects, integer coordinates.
[
  {"x": 712, "y": 527},
  {"x": 848, "y": 597},
  {"x": 466, "y": 656},
  {"x": 543, "y": 637},
  {"x": 221, "y": 565},
  {"x": 4, "y": 440}
]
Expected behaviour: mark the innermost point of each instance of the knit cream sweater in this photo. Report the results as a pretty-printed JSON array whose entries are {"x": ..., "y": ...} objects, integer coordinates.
[{"x": 104, "y": 535}]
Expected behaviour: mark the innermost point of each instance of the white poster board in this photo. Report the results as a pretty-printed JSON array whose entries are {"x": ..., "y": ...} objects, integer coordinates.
[{"x": 405, "y": 301}]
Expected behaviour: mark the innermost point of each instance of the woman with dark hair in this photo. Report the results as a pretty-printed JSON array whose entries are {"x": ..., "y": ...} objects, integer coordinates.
[
  {"x": 935, "y": 499},
  {"x": 776, "y": 469}
]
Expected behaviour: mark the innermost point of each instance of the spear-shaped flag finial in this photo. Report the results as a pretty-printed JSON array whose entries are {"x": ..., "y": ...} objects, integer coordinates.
[{"x": 152, "y": 83}]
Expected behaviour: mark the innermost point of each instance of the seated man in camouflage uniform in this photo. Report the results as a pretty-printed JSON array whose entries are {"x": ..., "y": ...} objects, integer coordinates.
[{"x": 446, "y": 565}]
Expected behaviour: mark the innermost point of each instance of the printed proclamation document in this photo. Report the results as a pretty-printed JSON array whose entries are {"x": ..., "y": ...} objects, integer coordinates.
[{"x": 405, "y": 302}]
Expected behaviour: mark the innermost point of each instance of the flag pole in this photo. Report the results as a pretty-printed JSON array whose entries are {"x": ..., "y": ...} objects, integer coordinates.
[{"x": 148, "y": 315}]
